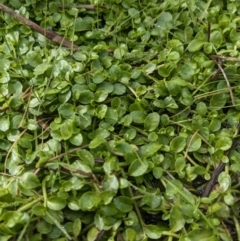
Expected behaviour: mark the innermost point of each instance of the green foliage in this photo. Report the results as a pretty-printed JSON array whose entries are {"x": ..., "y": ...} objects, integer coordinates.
[{"x": 116, "y": 141}]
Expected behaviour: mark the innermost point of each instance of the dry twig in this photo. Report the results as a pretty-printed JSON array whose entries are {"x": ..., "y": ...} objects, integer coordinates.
[
  {"x": 48, "y": 33},
  {"x": 218, "y": 60},
  {"x": 218, "y": 170},
  {"x": 86, "y": 6}
]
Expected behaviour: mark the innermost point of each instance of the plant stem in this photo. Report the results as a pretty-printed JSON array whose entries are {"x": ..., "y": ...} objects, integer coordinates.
[
  {"x": 29, "y": 205},
  {"x": 139, "y": 130},
  {"x": 237, "y": 226},
  {"x": 44, "y": 192},
  {"x": 59, "y": 226},
  {"x": 24, "y": 230},
  {"x": 136, "y": 209}
]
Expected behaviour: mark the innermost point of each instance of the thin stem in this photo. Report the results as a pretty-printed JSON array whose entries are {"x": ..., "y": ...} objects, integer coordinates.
[
  {"x": 185, "y": 197},
  {"x": 136, "y": 209},
  {"x": 228, "y": 84},
  {"x": 189, "y": 144},
  {"x": 14, "y": 143},
  {"x": 139, "y": 130},
  {"x": 63, "y": 230},
  {"x": 44, "y": 192},
  {"x": 205, "y": 10},
  {"x": 24, "y": 230},
  {"x": 167, "y": 233},
  {"x": 237, "y": 226},
  {"x": 134, "y": 204},
  {"x": 29, "y": 205}
]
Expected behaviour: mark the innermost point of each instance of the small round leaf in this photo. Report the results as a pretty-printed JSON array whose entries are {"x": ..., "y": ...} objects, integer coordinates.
[{"x": 56, "y": 203}]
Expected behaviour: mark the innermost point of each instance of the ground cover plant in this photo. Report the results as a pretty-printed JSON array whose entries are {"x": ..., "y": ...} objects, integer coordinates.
[{"x": 119, "y": 120}]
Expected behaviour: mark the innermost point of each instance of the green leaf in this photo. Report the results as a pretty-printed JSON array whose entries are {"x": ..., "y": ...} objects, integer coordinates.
[
  {"x": 187, "y": 71},
  {"x": 110, "y": 183},
  {"x": 13, "y": 218},
  {"x": 66, "y": 129},
  {"x": 157, "y": 172},
  {"x": 123, "y": 183},
  {"x": 224, "y": 143},
  {"x": 30, "y": 180},
  {"x": 79, "y": 165},
  {"x": 77, "y": 226},
  {"x": 208, "y": 48},
  {"x": 218, "y": 101},
  {"x": 214, "y": 125},
  {"x": 138, "y": 116},
  {"x": 96, "y": 142},
  {"x": 111, "y": 116},
  {"x": 178, "y": 144},
  {"x": 66, "y": 110},
  {"x": 33, "y": 58},
  {"x": 164, "y": 21},
  {"x": 86, "y": 96},
  {"x": 133, "y": 12},
  {"x": 153, "y": 231},
  {"x": 174, "y": 86},
  {"x": 172, "y": 188},
  {"x": 180, "y": 165},
  {"x": 86, "y": 157},
  {"x": 195, "y": 143},
  {"x": 76, "y": 139},
  {"x": 201, "y": 108},
  {"x": 39, "y": 210},
  {"x": 41, "y": 68},
  {"x": 100, "y": 95},
  {"x": 216, "y": 38},
  {"x": 101, "y": 111},
  {"x": 4, "y": 123},
  {"x": 164, "y": 120},
  {"x": 118, "y": 53},
  {"x": 124, "y": 204},
  {"x": 107, "y": 197},
  {"x": 83, "y": 24},
  {"x": 56, "y": 203},
  {"x": 80, "y": 57},
  {"x": 200, "y": 234},
  {"x": 130, "y": 234},
  {"x": 177, "y": 220},
  {"x": 137, "y": 168},
  {"x": 89, "y": 201},
  {"x": 152, "y": 200},
  {"x": 136, "y": 119},
  {"x": 44, "y": 227},
  {"x": 195, "y": 45},
  {"x": 224, "y": 180},
  {"x": 99, "y": 78},
  {"x": 119, "y": 89},
  {"x": 149, "y": 149},
  {"x": 229, "y": 199},
  {"x": 92, "y": 234},
  {"x": 4, "y": 77},
  {"x": 151, "y": 122},
  {"x": 149, "y": 68}
]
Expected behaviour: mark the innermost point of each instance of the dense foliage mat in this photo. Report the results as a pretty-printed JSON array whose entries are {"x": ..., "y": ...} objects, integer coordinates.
[{"x": 134, "y": 136}]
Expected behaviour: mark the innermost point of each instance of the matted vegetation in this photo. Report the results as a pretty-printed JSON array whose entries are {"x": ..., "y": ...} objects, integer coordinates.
[{"x": 131, "y": 131}]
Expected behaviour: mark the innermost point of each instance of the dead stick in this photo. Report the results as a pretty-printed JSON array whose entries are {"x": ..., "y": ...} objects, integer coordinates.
[
  {"x": 226, "y": 79},
  {"x": 219, "y": 169},
  {"x": 213, "y": 179},
  {"x": 86, "y": 6},
  {"x": 232, "y": 59},
  {"x": 218, "y": 61},
  {"x": 48, "y": 33}
]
